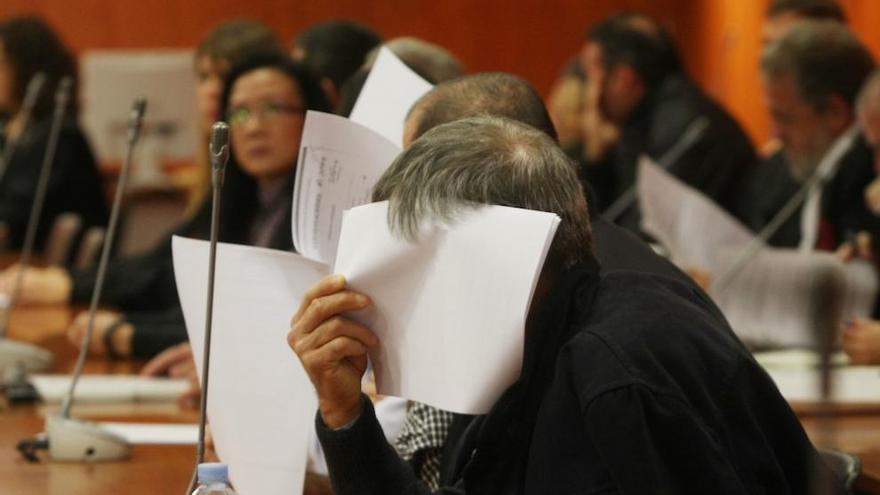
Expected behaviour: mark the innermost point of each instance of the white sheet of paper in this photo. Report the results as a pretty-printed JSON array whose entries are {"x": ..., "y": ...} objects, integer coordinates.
[
  {"x": 769, "y": 301},
  {"x": 450, "y": 309},
  {"x": 765, "y": 302},
  {"x": 852, "y": 384},
  {"x": 390, "y": 90},
  {"x": 261, "y": 404},
  {"x": 155, "y": 433},
  {"x": 109, "y": 388},
  {"x": 802, "y": 359},
  {"x": 339, "y": 163},
  {"x": 688, "y": 224}
]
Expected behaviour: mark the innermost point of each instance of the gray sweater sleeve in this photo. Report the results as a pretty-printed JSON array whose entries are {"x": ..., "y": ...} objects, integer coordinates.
[{"x": 362, "y": 462}]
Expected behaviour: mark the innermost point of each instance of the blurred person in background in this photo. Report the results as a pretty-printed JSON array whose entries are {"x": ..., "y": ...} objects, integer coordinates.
[
  {"x": 334, "y": 50},
  {"x": 640, "y": 87},
  {"x": 28, "y": 46}
]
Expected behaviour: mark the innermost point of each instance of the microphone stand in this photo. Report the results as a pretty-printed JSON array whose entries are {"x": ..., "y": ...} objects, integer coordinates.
[
  {"x": 817, "y": 179},
  {"x": 34, "y": 87},
  {"x": 692, "y": 134},
  {"x": 71, "y": 439},
  {"x": 219, "y": 152},
  {"x": 18, "y": 358}
]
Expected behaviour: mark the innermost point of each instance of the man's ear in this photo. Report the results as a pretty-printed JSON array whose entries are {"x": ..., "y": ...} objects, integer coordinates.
[
  {"x": 839, "y": 114},
  {"x": 330, "y": 91}
]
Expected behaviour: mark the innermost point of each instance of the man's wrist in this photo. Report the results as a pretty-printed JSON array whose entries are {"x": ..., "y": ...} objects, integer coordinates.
[{"x": 339, "y": 417}]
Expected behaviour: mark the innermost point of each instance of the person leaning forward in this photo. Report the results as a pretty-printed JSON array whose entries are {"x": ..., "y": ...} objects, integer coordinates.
[{"x": 629, "y": 384}]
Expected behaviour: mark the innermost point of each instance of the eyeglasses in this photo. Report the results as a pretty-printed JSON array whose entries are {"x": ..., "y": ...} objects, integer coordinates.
[{"x": 265, "y": 111}]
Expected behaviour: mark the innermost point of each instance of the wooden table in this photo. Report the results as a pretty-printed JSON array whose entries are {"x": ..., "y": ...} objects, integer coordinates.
[
  {"x": 151, "y": 469},
  {"x": 167, "y": 469}
]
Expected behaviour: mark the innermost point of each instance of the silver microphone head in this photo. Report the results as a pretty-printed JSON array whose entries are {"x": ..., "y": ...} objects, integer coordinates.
[
  {"x": 33, "y": 90},
  {"x": 62, "y": 93},
  {"x": 219, "y": 149},
  {"x": 136, "y": 118}
]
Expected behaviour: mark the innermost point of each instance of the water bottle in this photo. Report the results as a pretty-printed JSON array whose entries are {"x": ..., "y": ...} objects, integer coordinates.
[{"x": 213, "y": 479}]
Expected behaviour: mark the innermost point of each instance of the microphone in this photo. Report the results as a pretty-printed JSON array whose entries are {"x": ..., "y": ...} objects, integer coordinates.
[
  {"x": 70, "y": 439},
  {"x": 32, "y": 92},
  {"x": 219, "y": 151},
  {"x": 19, "y": 356},
  {"x": 695, "y": 130},
  {"x": 817, "y": 179}
]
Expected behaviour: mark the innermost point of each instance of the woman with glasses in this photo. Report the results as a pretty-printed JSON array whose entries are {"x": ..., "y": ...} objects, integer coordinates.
[{"x": 264, "y": 101}]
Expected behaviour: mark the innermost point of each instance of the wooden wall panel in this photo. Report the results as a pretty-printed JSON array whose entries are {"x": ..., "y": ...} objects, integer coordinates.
[
  {"x": 530, "y": 37},
  {"x": 720, "y": 39}
]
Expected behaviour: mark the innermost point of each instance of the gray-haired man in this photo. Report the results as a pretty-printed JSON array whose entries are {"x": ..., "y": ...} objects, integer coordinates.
[{"x": 631, "y": 383}]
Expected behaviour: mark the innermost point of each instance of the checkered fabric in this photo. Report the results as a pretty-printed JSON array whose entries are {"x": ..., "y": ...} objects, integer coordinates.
[{"x": 421, "y": 440}]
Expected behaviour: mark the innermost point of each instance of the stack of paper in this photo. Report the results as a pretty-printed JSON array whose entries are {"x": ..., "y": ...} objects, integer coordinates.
[
  {"x": 390, "y": 90},
  {"x": 109, "y": 388},
  {"x": 449, "y": 309},
  {"x": 261, "y": 405},
  {"x": 339, "y": 163},
  {"x": 771, "y": 300}
]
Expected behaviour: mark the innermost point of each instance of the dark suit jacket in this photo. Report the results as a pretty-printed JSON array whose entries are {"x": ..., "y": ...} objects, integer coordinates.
[
  {"x": 74, "y": 184},
  {"x": 143, "y": 286},
  {"x": 843, "y": 205},
  {"x": 630, "y": 385},
  {"x": 718, "y": 164}
]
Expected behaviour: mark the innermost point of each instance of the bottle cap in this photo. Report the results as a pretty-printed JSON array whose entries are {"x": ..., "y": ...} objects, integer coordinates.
[{"x": 213, "y": 472}]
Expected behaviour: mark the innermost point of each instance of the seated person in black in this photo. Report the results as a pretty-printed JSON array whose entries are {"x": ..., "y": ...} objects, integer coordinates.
[
  {"x": 425, "y": 430},
  {"x": 811, "y": 76},
  {"x": 641, "y": 88},
  {"x": 630, "y": 384},
  {"x": 28, "y": 46}
]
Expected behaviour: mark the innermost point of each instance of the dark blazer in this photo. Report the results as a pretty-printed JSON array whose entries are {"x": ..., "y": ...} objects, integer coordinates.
[
  {"x": 718, "y": 164},
  {"x": 143, "y": 286},
  {"x": 843, "y": 206},
  {"x": 74, "y": 185},
  {"x": 630, "y": 385}
]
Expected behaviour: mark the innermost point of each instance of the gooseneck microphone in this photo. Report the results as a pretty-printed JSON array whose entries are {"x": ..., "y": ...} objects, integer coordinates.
[
  {"x": 62, "y": 97},
  {"x": 16, "y": 358},
  {"x": 219, "y": 151},
  {"x": 72, "y": 439},
  {"x": 817, "y": 179},
  {"x": 31, "y": 93},
  {"x": 692, "y": 134},
  {"x": 135, "y": 123}
]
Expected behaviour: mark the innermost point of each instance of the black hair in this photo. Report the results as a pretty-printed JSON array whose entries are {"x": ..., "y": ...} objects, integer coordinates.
[
  {"x": 31, "y": 46},
  {"x": 809, "y": 9},
  {"x": 336, "y": 49},
  {"x": 634, "y": 39},
  {"x": 240, "y": 195},
  {"x": 233, "y": 41}
]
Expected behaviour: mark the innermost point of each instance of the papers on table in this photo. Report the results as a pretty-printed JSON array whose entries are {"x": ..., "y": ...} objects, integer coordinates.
[
  {"x": 155, "y": 433},
  {"x": 109, "y": 388},
  {"x": 692, "y": 227},
  {"x": 450, "y": 309},
  {"x": 850, "y": 385},
  {"x": 797, "y": 359},
  {"x": 796, "y": 374},
  {"x": 339, "y": 163},
  {"x": 772, "y": 299},
  {"x": 390, "y": 90},
  {"x": 261, "y": 405}
]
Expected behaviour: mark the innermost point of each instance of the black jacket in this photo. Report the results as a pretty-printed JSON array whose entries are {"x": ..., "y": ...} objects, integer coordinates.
[
  {"x": 630, "y": 384},
  {"x": 718, "y": 163},
  {"x": 74, "y": 184},
  {"x": 143, "y": 286},
  {"x": 843, "y": 205}
]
